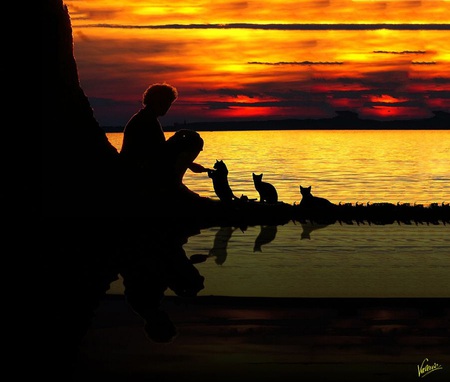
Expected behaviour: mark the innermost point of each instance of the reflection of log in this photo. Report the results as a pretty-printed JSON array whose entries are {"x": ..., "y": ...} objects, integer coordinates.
[
  {"x": 378, "y": 213},
  {"x": 208, "y": 213}
]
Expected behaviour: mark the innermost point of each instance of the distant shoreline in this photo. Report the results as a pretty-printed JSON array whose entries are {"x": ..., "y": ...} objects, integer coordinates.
[{"x": 344, "y": 121}]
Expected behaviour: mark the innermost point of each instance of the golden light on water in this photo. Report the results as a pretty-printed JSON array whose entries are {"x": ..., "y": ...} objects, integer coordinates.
[{"x": 343, "y": 166}]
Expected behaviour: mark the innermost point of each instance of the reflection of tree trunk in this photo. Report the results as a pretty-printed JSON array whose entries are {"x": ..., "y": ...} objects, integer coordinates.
[{"x": 79, "y": 165}]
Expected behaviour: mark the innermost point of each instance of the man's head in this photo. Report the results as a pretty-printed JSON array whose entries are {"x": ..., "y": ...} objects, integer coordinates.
[{"x": 159, "y": 97}]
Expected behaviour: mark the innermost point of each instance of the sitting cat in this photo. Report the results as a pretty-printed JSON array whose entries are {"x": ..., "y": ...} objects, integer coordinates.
[
  {"x": 310, "y": 201},
  {"x": 219, "y": 178},
  {"x": 267, "y": 192}
]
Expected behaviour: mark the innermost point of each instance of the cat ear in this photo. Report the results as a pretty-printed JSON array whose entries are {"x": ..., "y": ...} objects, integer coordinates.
[
  {"x": 309, "y": 188},
  {"x": 301, "y": 188}
]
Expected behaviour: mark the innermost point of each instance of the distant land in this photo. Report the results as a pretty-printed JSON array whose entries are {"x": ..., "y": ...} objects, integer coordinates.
[{"x": 344, "y": 120}]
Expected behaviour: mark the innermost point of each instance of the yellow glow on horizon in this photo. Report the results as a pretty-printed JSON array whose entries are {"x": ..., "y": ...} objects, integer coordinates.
[
  {"x": 269, "y": 11},
  {"x": 157, "y": 11},
  {"x": 166, "y": 9}
]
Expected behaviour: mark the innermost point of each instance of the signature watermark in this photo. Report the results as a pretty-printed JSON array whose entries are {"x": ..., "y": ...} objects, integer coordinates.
[{"x": 426, "y": 368}]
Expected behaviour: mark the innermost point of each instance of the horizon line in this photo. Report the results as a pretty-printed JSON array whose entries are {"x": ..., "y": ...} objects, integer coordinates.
[{"x": 375, "y": 124}]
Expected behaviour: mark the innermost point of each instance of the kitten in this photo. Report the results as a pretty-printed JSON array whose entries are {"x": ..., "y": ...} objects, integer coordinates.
[
  {"x": 267, "y": 192},
  {"x": 219, "y": 178},
  {"x": 310, "y": 201}
]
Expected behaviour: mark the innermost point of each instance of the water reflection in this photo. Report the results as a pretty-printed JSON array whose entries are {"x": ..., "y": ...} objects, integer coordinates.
[
  {"x": 308, "y": 228},
  {"x": 81, "y": 263},
  {"x": 308, "y": 259},
  {"x": 266, "y": 235},
  {"x": 187, "y": 260},
  {"x": 219, "y": 249}
]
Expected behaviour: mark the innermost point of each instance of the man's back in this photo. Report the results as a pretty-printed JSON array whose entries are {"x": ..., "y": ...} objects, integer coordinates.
[{"x": 143, "y": 139}]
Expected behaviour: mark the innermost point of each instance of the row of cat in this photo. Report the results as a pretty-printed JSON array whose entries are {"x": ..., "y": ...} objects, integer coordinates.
[{"x": 267, "y": 191}]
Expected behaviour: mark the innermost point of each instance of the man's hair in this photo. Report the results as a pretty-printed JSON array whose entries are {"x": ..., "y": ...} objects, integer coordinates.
[{"x": 159, "y": 91}]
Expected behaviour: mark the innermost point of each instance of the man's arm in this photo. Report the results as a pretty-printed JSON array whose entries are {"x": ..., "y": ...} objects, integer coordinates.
[{"x": 195, "y": 167}]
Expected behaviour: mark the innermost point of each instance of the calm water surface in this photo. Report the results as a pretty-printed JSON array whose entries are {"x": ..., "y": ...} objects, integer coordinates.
[
  {"x": 336, "y": 260},
  {"x": 343, "y": 166}
]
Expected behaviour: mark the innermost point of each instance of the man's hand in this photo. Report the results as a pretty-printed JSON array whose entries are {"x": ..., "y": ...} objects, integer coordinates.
[{"x": 195, "y": 167}]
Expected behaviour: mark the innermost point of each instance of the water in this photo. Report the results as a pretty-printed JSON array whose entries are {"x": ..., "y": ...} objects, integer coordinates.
[
  {"x": 337, "y": 261},
  {"x": 343, "y": 166},
  {"x": 334, "y": 260}
]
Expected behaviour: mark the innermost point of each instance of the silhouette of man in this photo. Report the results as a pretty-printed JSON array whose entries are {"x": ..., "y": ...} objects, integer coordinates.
[
  {"x": 144, "y": 147},
  {"x": 155, "y": 261}
]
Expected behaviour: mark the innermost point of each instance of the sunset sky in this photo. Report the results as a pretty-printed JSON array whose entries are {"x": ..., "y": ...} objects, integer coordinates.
[{"x": 237, "y": 60}]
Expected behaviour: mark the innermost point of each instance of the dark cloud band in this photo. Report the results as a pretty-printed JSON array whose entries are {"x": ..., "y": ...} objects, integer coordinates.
[{"x": 278, "y": 26}]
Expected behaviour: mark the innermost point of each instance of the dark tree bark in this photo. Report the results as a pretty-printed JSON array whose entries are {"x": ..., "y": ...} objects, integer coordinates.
[{"x": 80, "y": 168}]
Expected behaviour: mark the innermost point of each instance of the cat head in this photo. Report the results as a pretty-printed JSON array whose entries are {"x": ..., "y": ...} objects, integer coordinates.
[
  {"x": 305, "y": 191},
  {"x": 257, "y": 177},
  {"x": 220, "y": 164}
]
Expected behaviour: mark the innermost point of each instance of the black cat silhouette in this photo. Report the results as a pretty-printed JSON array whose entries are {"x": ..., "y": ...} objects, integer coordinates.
[
  {"x": 219, "y": 178},
  {"x": 267, "y": 192},
  {"x": 310, "y": 201}
]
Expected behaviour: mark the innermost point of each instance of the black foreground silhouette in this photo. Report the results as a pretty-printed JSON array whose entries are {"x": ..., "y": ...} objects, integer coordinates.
[{"x": 89, "y": 240}]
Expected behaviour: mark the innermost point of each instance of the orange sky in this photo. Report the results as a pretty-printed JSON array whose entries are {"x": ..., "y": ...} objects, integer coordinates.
[{"x": 265, "y": 59}]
